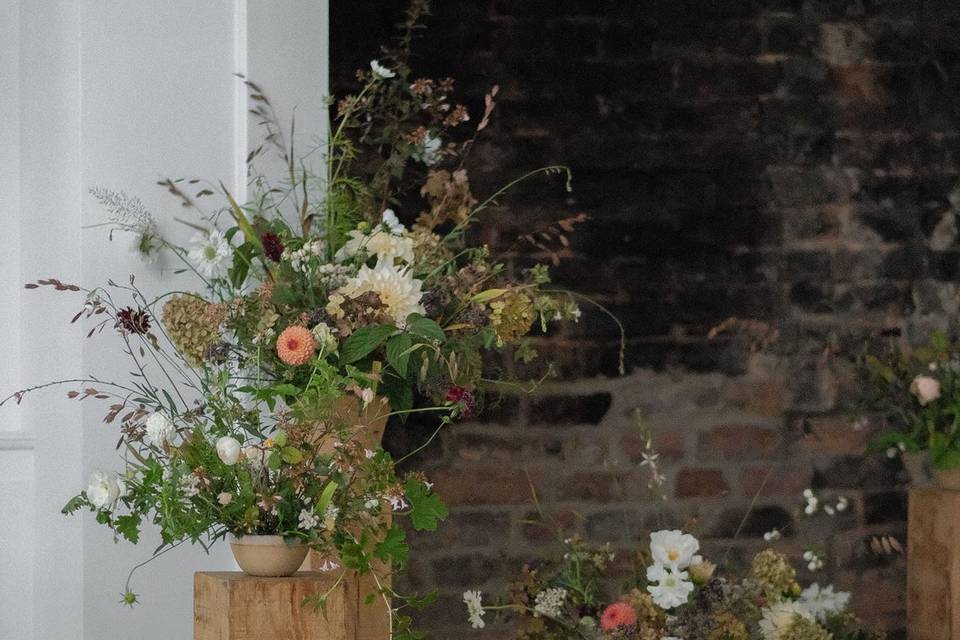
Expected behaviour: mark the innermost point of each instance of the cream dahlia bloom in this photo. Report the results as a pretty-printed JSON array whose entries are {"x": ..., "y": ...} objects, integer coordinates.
[
  {"x": 674, "y": 548},
  {"x": 397, "y": 288},
  {"x": 778, "y": 618}
]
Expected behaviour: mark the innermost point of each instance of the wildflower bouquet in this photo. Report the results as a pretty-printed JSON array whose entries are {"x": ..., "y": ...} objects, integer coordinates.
[
  {"x": 320, "y": 307},
  {"x": 917, "y": 396},
  {"x": 675, "y": 594}
]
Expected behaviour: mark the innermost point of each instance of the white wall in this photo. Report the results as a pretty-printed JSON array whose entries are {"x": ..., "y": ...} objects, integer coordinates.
[{"x": 116, "y": 94}]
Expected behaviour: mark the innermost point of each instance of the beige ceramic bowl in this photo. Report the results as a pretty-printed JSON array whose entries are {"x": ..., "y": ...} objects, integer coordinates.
[{"x": 268, "y": 556}]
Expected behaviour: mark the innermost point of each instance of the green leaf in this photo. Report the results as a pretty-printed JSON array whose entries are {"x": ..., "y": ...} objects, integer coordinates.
[
  {"x": 129, "y": 527},
  {"x": 325, "y": 498},
  {"x": 489, "y": 294},
  {"x": 393, "y": 547},
  {"x": 280, "y": 439},
  {"x": 398, "y": 354},
  {"x": 74, "y": 504},
  {"x": 291, "y": 455},
  {"x": 242, "y": 257},
  {"x": 424, "y": 327},
  {"x": 426, "y": 508},
  {"x": 363, "y": 341},
  {"x": 274, "y": 460}
]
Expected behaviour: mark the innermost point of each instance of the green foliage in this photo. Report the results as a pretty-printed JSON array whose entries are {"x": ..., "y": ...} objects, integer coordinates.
[
  {"x": 363, "y": 341},
  {"x": 426, "y": 508}
]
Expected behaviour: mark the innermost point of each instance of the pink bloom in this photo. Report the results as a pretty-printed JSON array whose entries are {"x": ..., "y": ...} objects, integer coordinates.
[
  {"x": 926, "y": 389},
  {"x": 617, "y": 616}
]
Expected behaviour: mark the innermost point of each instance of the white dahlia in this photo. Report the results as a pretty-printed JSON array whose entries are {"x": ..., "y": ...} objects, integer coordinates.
[
  {"x": 778, "y": 618},
  {"x": 397, "y": 288}
]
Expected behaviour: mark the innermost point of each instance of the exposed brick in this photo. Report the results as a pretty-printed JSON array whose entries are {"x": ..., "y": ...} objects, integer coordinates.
[
  {"x": 490, "y": 486},
  {"x": 789, "y": 161},
  {"x": 737, "y": 442},
  {"x": 700, "y": 483},
  {"x": 554, "y": 410}
]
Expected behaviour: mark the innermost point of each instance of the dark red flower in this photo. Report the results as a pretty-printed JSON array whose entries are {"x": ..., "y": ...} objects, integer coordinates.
[
  {"x": 272, "y": 246},
  {"x": 464, "y": 398},
  {"x": 133, "y": 321}
]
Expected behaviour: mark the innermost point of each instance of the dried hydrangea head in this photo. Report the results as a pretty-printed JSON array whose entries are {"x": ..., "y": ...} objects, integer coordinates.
[
  {"x": 648, "y": 613},
  {"x": 774, "y": 573},
  {"x": 193, "y": 324},
  {"x": 726, "y": 626},
  {"x": 512, "y": 315},
  {"x": 296, "y": 345}
]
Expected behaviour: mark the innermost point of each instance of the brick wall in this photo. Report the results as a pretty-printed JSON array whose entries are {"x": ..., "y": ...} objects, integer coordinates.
[{"x": 789, "y": 161}]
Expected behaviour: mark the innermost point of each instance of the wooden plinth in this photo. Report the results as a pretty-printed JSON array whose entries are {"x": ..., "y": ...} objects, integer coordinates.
[
  {"x": 235, "y": 606},
  {"x": 933, "y": 565}
]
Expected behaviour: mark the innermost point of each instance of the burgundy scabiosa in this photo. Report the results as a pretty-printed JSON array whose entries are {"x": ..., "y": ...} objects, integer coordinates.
[
  {"x": 130, "y": 320},
  {"x": 464, "y": 398},
  {"x": 272, "y": 246}
]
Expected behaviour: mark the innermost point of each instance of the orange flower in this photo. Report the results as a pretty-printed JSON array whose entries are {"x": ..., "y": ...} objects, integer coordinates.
[
  {"x": 296, "y": 345},
  {"x": 618, "y": 616}
]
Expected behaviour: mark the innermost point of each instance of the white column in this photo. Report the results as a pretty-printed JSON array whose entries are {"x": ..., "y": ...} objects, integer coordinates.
[{"x": 115, "y": 94}]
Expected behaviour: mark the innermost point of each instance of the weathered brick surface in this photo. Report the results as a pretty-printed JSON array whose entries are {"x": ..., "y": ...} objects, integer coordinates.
[{"x": 791, "y": 161}]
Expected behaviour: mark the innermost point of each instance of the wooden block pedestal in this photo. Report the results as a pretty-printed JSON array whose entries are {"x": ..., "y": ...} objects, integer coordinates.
[
  {"x": 235, "y": 606},
  {"x": 933, "y": 565}
]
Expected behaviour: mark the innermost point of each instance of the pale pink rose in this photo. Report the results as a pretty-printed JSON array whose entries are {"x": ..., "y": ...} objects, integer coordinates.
[
  {"x": 926, "y": 389},
  {"x": 225, "y": 498}
]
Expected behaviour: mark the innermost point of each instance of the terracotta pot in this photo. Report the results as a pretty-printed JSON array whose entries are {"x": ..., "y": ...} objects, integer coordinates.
[
  {"x": 268, "y": 556},
  {"x": 366, "y": 423},
  {"x": 917, "y": 464},
  {"x": 948, "y": 478}
]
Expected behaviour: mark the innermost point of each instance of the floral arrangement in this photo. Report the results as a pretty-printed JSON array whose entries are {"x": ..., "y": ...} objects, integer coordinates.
[
  {"x": 916, "y": 396},
  {"x": 314, "y": 311},
  {"x": 674, "y": 594}
]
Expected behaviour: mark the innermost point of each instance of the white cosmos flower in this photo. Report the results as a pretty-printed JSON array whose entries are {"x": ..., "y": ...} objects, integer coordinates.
[
  {"x": 474, "y": 602},
  {"x": 210, "y": 253},
  {"x": 673, "y": 588},
  {"x": 160, "y": 429},
  {"x": 397, "y": 288},
  {"x": 380, "y": 70},
  {"x": 229, "y": 450},
  {"x": 103, "y": 489},
  {"x": 428, "y": 151},
  {"x": 824, "y": 601},
  {"x": 778, "y": 618},
  {"x": 674, "y": 548}
]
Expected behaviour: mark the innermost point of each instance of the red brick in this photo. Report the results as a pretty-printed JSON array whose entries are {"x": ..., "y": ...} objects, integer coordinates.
[
  {"x": 668, "y": 444},
  {"x": 460, "y": 486},
  {"x": 599, "y": 487},
  {"x": 701, "y": 483},
  {"x": 737, "y": 442},
  {"x": 834, "y": 435},
  {"x": 781, "y": 482}
]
